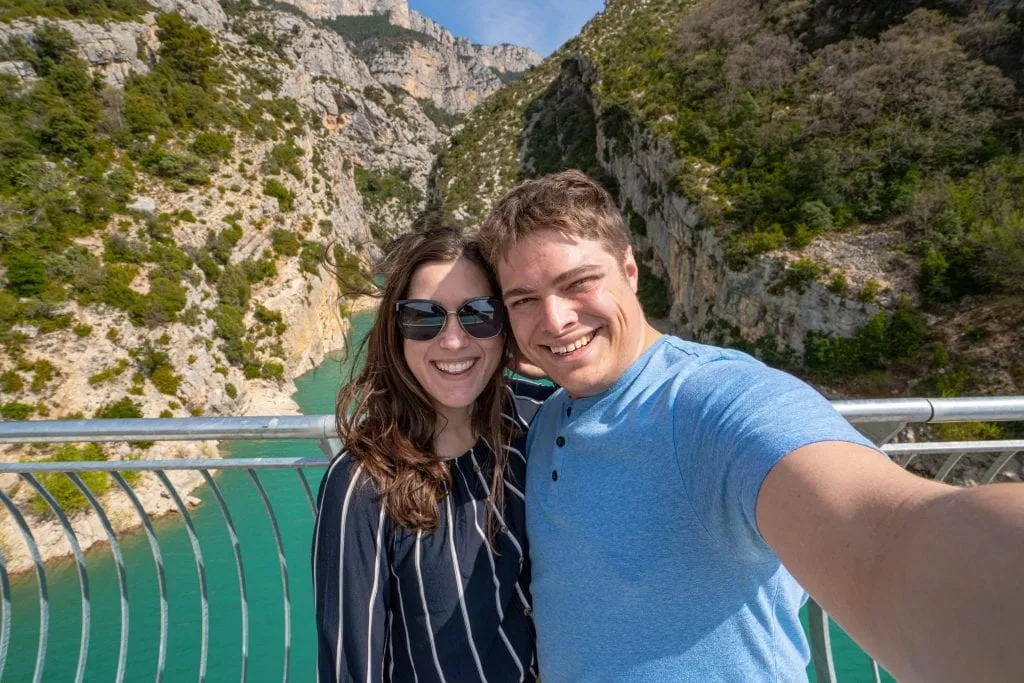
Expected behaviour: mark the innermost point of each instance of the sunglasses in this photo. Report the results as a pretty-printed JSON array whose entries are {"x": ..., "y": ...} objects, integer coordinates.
[{"x": 423, "y": 319}]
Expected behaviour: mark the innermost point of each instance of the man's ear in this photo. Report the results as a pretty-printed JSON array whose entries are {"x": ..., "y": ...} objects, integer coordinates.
[{"x": 630, "y": 269}]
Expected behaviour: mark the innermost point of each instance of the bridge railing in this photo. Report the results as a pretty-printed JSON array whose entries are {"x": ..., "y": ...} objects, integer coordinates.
[{"x": 881, "y": 420}]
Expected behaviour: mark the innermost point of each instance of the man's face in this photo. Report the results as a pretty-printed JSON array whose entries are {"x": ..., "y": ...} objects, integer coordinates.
[{"x": 573, "y": 309}]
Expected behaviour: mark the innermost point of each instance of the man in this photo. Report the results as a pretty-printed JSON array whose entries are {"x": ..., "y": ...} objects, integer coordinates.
[{"x": 680, "y": 497}]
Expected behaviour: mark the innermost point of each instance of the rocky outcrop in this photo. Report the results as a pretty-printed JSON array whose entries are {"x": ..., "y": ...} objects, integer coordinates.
[
  {"x": 429, "y": 63},
  {"x": 507, "y": 59},
  {"x": 328, "y": 9},
  {"x": 504, "y": 58},
  {"x": 428, "y": 71},
  {"x": 112, "y": 50},
  {"x": 206, "y": 13},
  {"x": 710, "y": 301}
]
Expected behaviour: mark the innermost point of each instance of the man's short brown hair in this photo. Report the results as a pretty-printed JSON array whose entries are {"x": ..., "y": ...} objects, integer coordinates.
[{"x": 569, "y": 202}]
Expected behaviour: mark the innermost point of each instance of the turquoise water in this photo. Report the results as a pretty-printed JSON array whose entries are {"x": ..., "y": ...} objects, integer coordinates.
[{"x": 315, "y": 395}]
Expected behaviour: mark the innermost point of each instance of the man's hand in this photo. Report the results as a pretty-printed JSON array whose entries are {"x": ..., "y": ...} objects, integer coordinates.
[{"x": 923, "y": 575}]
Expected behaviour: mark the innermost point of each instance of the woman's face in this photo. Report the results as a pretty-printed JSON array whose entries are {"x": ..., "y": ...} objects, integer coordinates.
[{"x": 453, "y": 368}]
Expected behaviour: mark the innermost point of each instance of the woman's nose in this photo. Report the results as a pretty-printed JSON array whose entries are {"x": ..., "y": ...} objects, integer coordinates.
[{"x": 452, "y": 335}]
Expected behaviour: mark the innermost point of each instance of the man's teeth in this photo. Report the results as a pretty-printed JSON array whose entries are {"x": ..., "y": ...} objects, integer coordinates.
[
  {"x": 579, "y": 343},
  {"x": 455, "y": 368}
]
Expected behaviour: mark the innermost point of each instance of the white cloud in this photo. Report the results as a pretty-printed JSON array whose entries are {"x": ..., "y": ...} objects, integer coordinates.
[{"x": 535, "y": 23}]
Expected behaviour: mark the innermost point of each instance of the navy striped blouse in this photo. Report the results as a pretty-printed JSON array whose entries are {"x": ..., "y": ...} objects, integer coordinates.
[{"x": 400, "y": 605}]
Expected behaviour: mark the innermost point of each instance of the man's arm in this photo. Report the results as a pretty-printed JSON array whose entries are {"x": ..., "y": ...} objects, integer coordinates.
[{"x": 925, "y": 576}]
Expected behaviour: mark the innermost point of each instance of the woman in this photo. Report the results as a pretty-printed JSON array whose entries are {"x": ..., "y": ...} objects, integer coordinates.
[{"x": 420, "y": 569}]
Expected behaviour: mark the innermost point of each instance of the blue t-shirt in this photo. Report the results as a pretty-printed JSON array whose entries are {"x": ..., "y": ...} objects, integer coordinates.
[{"x": 647, "y": 561}]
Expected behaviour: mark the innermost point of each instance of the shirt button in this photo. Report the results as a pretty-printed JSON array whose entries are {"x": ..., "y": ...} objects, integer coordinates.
[
  {"x": 554, "y": 475},
  {"x": 560, "y": 441}
]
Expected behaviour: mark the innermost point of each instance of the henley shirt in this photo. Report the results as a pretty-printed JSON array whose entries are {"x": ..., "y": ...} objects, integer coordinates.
[{"x": 647, "y": 561}]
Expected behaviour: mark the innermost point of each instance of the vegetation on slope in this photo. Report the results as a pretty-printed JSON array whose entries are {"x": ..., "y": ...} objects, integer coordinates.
[
  {"x": 74, "y": 153},
  {"x": 376, "y": 28},
  {"x": 84, "y": 10},
  {"x": 792, "y": 120}
]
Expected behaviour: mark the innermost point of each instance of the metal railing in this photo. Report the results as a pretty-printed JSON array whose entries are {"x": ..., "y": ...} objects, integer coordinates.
[{"x": 881, "y": 420}]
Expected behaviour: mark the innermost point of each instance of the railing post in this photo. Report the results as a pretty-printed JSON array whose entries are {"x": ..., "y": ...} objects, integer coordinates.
[{"x": 821, "y": 643}]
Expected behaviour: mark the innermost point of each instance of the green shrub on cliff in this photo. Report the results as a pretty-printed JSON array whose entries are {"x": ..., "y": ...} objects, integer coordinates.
[
  {"x": 121, "y": 409},
  {"x": 387, "y": 188},
  {"x": 876, "y": 345},
  {"x": 274, "y": 188},
  {"x": 83, "y": 10},
  {"x": 66, "y": 494}
]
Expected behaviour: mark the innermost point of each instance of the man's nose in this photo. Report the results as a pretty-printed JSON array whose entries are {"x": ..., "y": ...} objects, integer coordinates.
[
  {"x": 558, "y": 314},
  {"x": 453, "y": 336}
]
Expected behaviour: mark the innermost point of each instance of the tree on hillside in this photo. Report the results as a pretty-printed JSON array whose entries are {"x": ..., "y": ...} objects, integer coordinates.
[{"x": 187, "y": 50}]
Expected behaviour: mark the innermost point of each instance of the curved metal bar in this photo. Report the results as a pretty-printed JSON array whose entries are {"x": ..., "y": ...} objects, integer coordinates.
[
  {"x": 237, "y": 549},
  {"x": 122, "y": 581},
  {"x": 284, "y": 570},
  {"x": 821, "y": 643},
  {"x": 948, "y": 465},
  {"x": 5, "y": 618},
  {"x": 83, "y": 574},
  {"x": 993, "y": 471},
  {"x": 306, "y": 490},
  {"x": 44, "y": 598},
  {"x": 200, "y": 569},
  {"x": 905, "y": 459},
  {"x": 158, "y": 561}
]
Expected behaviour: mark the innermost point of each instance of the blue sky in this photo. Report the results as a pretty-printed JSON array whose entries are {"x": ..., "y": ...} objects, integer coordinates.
[{"x": 541, "y": 24}]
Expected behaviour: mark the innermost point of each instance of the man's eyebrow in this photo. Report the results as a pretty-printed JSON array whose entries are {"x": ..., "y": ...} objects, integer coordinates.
[
  {"x": 516, "y": 291},
  {"x": 570, "y": 274}
]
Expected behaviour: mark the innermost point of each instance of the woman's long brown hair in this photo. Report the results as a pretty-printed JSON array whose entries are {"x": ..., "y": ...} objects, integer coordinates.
[{"x": 385, "y": 418}]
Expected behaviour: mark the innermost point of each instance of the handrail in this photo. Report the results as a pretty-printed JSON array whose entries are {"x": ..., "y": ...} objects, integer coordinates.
[{"x": 316, "y": 427}]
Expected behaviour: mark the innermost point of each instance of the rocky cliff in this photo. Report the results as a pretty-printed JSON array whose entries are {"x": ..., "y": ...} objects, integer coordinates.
[
  {"x": 334, "y": 164},
  {"x": 328, "y": 9},
  {"x": 408, "y": 51}
]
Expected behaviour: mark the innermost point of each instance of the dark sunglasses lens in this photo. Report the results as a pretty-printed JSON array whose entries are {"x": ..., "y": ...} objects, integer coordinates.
[
  {"x": 481, "y": 318},
  {"x": 420, "y": 320}
]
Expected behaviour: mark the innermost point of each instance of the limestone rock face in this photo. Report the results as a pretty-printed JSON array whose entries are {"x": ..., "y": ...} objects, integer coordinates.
[
  {"x": 111, "y": 50},
  {"x": 328, "y": 9},
  {"x": 507, "y": 58},
  {"x": 207, "y": 13},
  {"x": 453, "y": 73},
  {"x": 504, "y": 58},
  {"x": 709, "y": 299}
]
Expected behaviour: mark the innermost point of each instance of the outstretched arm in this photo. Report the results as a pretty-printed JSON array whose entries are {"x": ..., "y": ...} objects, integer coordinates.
[{"x": 925, "y": 576}]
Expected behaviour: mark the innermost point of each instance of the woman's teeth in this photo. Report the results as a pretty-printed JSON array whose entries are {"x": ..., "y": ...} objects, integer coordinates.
[
  {"x": 578, "y": 344},
  {"x": 454, "y": 368}
]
